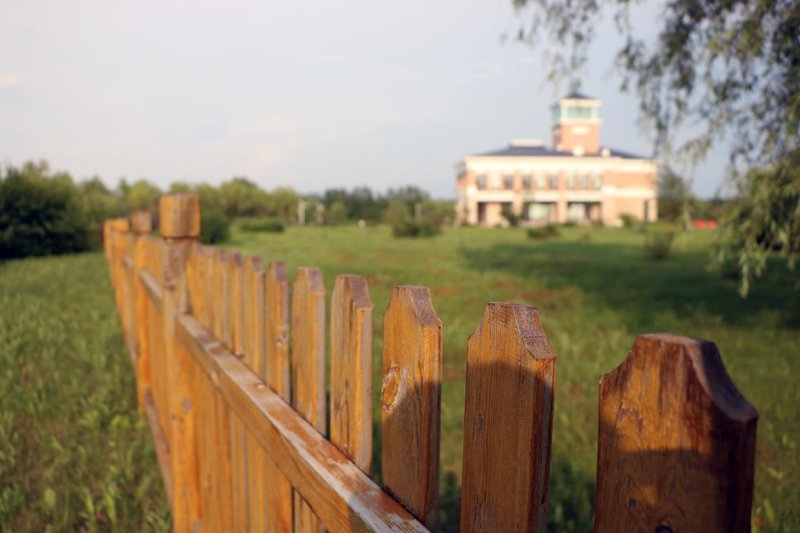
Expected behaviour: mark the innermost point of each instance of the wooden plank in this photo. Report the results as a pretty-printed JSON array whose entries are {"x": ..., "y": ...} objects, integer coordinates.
[
  {"x": 410, "y": 402},
  {"x": 308, "y": 346},
  {"x": 277, "y": 331},
  {"x": 143, "y": 380},
  {"x": 676, "y": 445},
  {"x": 340, "y": 493},
  {"x": 239, "y": 464},
  {"x": 223, "y": 482},
  {"x": 508, "y": 417},
  {"x": 351, "y": 370},
  {"x": 159, "y": 442},
  {"x": 308, "y": 368},
  {"x": 152, "y": 287}
]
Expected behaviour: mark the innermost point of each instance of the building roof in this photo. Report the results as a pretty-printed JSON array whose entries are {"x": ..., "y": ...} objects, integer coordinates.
[
  {"x": 575, "y": 95},
  {"x": 543, "y": 151}
]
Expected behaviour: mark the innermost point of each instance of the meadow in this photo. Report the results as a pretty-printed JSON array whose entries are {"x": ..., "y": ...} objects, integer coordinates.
[{"x": 74, "y": 455}]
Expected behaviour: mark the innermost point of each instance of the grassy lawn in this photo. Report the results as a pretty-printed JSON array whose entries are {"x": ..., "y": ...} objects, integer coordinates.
[{"x": 73, "y": 454}]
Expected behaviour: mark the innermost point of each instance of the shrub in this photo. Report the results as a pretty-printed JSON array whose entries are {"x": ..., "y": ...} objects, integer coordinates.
[
  {"x": 261, "y": 225},
  {"x": 214, "y": 226},
  {"x": 543, "y": 232},
  {"x": 628, "y": 220},
  {"x": 398, "y": 216},
  {"x": 40, "y": 213},
  {"x": 657, "y": 244},
  {"x": 510, "y": 216}
]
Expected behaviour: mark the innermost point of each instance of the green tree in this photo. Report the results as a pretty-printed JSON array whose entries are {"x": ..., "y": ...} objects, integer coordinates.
[
  {"x": 41, "y": 213},
  {"x": 727, "y": 69},
  {"x": 674, "y": 197},
  {"x": 142, "y": 195}
]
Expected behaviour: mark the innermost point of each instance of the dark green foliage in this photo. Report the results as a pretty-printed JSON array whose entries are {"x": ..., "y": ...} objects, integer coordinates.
[
  {"x": 658, "y": 243},
  {"x": 764, "y": 220},
  {"x": 214, "y": 226},
  {"x": 543, "y": 232},
  {"x": 404, "y": 224},
  {"x": 628, "y": 220},
  {"x": 264, "y": 225},
  {"x": 511, "y": 217},
  {"x": 40, "y": 213}
]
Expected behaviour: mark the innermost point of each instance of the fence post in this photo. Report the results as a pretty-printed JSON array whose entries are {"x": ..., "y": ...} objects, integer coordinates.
[
  {"x": 179, "y": 225},
  {"x": 676, "y": 441},
  {"x": 410, "y": 401},
  {"x": 508, "y": 420}
]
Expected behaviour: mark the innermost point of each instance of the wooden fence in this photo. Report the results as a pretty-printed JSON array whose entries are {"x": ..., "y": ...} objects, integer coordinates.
[{"x": 236, "y": 400}]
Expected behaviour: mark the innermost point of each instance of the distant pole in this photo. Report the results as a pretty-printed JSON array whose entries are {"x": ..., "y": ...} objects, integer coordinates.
[
  {"x": 301, "y": 213},
  {"x": 418, "y": 212}
]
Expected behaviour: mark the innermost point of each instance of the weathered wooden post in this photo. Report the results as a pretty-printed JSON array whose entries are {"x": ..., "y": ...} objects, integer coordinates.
[
  {"x": 179, "y": 225},
  {"x": 676, "y": 446}
]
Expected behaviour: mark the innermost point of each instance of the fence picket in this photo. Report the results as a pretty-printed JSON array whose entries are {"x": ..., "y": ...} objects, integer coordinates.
[
  {"x": 277, "y": 332},
  {"x": 351, "y": 370},
  {"x": 507, "y": 421},
  {"x": 410, "y": 401},
  {"x": 676, "y": 444},
  {"x": 308, "y": 368}
]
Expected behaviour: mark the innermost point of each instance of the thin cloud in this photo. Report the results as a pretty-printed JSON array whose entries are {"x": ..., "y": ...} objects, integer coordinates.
[{"x": 7, "y": 80}]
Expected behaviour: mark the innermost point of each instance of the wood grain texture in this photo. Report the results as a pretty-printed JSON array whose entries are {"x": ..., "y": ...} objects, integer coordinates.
[
  {"x": 239, "y": 454},
  {"x": 508, "y": 417},
  {"x": 179, "y": 215},
  {"x": 308, "y": 369},
  {"x": 410, "y": 402},
  {"x": 181, "y": 409},
  {"x": 277, "y": 330},
  {"x": 140, "y": 222},
  {"x": 308, "y": 347},
  {"x": 676, "y": 444},
  {"x": 142, "y": 323},
  {"x": 351, "y": 370},
  {"x": 254, "y": 341},
  {"x": 342, "y": 495}
]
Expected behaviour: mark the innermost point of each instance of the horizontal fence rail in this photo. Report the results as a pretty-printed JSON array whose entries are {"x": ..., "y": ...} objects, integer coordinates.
[{"x": 252, "y": 434}]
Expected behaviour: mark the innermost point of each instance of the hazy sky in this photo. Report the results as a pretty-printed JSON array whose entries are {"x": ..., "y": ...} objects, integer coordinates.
[{"x": 310, "y": 94}]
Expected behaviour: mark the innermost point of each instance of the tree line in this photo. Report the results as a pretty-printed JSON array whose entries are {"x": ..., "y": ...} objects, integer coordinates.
[{"x": 45, "y": 212}]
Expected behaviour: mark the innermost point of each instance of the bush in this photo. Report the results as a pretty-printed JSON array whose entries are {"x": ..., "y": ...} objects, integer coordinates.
[
  {"x": 658, "y": 244},
  {"x": 40, "y": 214},
  {"x": 398, "y": 216},
  {"x": 628, "y": 220},
  {"x": 261, "y": 225},
  {"x": 214, "y": 226},
  {"x": 543, "y": 232},
  {"x": 510, "y": 216}
]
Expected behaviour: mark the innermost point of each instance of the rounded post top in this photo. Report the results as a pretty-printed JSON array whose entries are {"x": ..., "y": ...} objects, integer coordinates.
[
  {"x": 140, "y": 222},
  {"x": 179, "y": 215}
]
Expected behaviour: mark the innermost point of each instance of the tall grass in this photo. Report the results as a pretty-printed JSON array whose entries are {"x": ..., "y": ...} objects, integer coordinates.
[{"x": 74, "y": 453}]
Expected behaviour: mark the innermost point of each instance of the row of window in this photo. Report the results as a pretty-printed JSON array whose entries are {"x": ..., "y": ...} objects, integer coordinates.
[{"x": 572, "y": 180}]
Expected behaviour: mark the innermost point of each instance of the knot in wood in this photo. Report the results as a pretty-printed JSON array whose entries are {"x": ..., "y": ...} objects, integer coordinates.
[{"x": 391, "y": 387}]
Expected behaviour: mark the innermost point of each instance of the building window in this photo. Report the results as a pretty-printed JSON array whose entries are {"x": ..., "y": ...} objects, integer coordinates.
[
  {"x": 584, "y": 181},
  {"x": 480, "y": 180},
  {"x": 538, "y": 211},
  {"x": 553, "y": 178},
  {"x": 508, "y": 181},
  {"x": 540, "y": 181},
  {"x": 526, "y": 181},
  {"x": 598, "y": 180},
  {"x": 570, "y": 181}
]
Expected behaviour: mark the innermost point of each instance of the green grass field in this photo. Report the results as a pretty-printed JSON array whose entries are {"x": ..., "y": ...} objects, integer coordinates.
[{"x": 69, "y": 423}]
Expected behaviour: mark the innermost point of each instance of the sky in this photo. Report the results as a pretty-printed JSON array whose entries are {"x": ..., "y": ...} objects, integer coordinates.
[{"x": 312, "y": 94}]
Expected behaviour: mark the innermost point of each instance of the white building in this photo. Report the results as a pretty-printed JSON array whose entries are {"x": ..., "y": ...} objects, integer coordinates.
[{"x": 577, "y": 179}]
